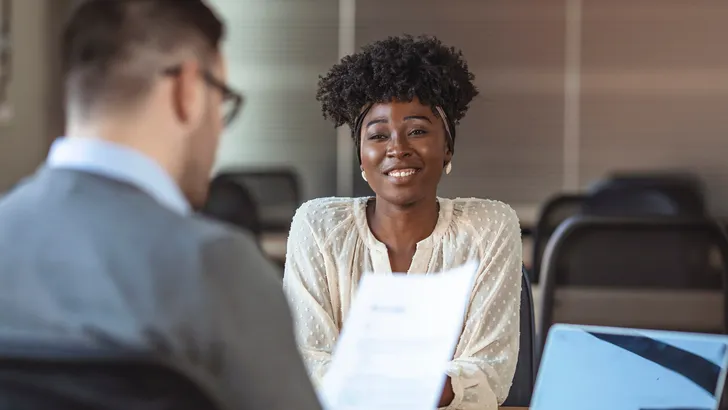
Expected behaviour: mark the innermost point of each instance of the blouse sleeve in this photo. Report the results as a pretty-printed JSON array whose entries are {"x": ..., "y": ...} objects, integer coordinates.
[
  {"x": 485, "y": 359},
  {"x": 305, "y": 285}
]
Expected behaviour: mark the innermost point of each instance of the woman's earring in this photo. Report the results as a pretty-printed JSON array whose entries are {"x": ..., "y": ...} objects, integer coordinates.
[
  {"x": 364, "y": 176},
  {"x": 448, "y": 167}
]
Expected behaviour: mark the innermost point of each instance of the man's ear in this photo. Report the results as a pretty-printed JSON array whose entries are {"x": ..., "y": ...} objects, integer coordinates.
[{"x": 188, "y": 101}]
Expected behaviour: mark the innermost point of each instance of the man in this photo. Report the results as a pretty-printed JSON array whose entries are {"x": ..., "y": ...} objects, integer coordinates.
[{"x": 101, "y": 244}]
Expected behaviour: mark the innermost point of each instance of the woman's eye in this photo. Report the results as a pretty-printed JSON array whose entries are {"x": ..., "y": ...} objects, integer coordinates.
[
  {"x": 377, "y": 137},
  {"x": 418, "y": 132}
]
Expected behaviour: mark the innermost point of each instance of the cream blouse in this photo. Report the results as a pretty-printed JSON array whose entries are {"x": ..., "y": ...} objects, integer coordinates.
[{"x": 330, "y": 246}]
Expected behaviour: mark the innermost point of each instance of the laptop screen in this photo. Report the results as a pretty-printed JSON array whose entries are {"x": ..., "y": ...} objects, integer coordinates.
[{"x": 602, "y": 368}]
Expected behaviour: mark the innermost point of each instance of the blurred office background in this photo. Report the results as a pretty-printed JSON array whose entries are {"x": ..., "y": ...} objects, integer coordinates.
[{"x": 615, "y": 112}]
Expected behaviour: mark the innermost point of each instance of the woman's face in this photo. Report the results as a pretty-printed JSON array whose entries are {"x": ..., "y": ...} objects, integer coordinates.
[{"x": 403, "y": 151}]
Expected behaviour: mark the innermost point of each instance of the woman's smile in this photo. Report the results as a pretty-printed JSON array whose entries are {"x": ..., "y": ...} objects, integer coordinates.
[{"x": 403, "y": 176}]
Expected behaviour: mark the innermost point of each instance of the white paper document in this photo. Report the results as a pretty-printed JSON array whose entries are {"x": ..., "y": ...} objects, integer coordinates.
[{"x": 398, "y": 339}]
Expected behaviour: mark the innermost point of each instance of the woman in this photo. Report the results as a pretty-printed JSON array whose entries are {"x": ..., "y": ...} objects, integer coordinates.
[{"x": 403, "y": 98}]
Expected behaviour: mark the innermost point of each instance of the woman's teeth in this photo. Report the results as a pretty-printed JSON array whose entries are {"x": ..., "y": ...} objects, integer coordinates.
[{"x": 401, "y": 173}]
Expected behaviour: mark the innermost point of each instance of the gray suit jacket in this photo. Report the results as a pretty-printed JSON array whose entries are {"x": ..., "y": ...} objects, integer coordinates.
[{"x": 86, "y": 256}]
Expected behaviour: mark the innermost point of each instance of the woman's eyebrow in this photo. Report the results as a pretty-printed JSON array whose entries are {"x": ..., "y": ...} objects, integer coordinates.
[
  {"x": 418, "y": 117},
  {"x": 377, "y": 121},
  {"x": 409, "y": 117}
]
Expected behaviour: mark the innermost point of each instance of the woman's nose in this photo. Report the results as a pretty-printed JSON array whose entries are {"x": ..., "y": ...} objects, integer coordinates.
[{"x": 399, "y": 146}]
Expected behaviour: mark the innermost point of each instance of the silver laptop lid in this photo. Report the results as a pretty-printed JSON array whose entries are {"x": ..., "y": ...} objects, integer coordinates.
[{"x": 604, "y": 368}]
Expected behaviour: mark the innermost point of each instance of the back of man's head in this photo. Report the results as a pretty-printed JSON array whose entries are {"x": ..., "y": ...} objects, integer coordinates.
[{"x": 114, "y": 50}]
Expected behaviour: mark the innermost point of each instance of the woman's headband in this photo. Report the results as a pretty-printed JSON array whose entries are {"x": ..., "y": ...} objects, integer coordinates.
[{"x": 446, "y": 121}]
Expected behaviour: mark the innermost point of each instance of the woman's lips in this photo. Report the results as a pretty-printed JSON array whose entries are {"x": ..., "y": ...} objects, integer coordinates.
[{"x": 404, "y": 175}]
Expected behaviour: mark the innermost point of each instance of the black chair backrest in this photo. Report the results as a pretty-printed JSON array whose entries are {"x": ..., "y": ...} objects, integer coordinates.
[
  {"x": 51, "y": 375},
  {"x": 666, "y": 194},
  {"x": 276, "y": 192},
  {"x": 638, "y": 253},
  {"x": 631, "y": 202},
  {"x": 676, "y": 184},
  {"x": 525, "y": 376},
  {"x": 621, "y": 195},
  {"x": 231, "y": 202},
  {"x": 555, "y": 211}
]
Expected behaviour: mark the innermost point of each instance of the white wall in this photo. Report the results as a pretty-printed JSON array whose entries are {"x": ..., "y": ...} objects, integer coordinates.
[
  {"x": 24, "y": 138},
  {"x": 276, "y": 50}
]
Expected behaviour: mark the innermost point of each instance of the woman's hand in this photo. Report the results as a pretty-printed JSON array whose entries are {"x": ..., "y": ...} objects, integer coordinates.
[{"x": 447, "y": 394}]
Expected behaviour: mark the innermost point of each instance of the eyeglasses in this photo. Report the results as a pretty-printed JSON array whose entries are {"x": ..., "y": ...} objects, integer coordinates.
[{"x": 232, "y": 101}]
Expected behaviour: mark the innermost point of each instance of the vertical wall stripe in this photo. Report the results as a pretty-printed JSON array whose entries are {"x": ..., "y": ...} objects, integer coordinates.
[
  {"x": 344, "y": 145},
  {"x": 572, "y": 94}
]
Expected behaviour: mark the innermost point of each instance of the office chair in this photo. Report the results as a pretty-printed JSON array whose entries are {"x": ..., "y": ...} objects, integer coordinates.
[
  {"x": 50, "y": 374},
  {"x": 631, "y": 202},
  {"x": 640, "y": 194},
  {"x": 276, "y": 192},
  {"x": 555, "y": 211},
  {"x": 231, "y": 202},
  {"x": 525, "y": 376},
  {"x": 640, "y": 255}
]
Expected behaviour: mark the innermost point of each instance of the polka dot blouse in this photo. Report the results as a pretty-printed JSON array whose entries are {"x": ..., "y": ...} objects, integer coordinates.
[{"x": 330, "y": 246}]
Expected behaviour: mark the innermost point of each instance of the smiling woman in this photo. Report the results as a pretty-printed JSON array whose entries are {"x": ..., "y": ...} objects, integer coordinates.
[
  {"x": 404, "y": 148},
  {"x": 403, "y": 98}
]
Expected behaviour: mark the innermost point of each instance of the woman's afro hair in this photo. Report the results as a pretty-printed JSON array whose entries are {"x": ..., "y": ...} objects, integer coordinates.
[{"x": 397, "y": 68}]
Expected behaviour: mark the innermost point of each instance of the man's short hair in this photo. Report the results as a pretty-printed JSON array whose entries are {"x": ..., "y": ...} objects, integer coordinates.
[{"x": 114, "y": 50}]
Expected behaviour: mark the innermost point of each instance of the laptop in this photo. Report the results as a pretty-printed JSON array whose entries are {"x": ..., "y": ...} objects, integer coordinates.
[{"x": 601, "y": 368}]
